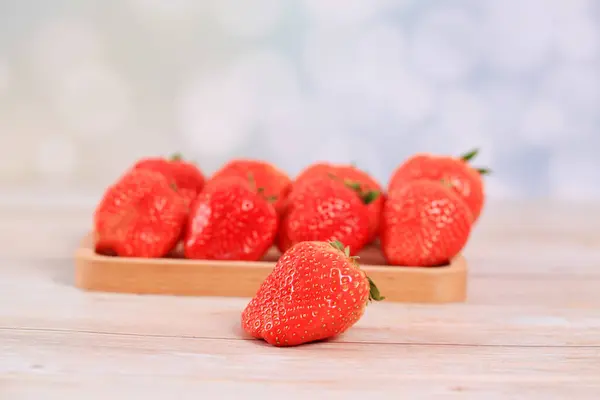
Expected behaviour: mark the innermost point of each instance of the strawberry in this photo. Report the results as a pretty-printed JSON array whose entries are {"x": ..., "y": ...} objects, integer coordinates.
[
  {"x": 316, "y": 291},
  {"x": 424, "y": 223},
  {"x": 230, "y": 221},
  {"x": 364, "y": 183},
  {"x": 325, "y": 209},
  {"x": 316, "y": 170},
  {"x": 140, "y": 215},
  {"x": 466, "y": 181},
  {"x": 356, "y": 178},
  {"x": 273, "y": 182},
  {"x": 185, "y": 175},
  {"x": 227, "y": 181}
]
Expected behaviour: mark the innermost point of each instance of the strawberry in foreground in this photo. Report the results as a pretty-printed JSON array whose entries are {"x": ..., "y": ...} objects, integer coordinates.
[
  {"x": 358, "y": 179},
  {"x": 273, "y": 182},
  {"x": 185, "y": 176},
  {"x": 326, "y": 209},
  {"x": 316, "y": 291},
  {"x": 141, "y": 215},
  {"x": 230, "y": 221},
  {"x": 424, "y": 223},
  {"x": 466, "y": 180}
]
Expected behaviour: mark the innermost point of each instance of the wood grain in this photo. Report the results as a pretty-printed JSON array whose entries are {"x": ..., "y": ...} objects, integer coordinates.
[
  {"x": 176, "y": 276},
  {"x": 530, "y": 328},
  {"x": 205, "y": 366}
]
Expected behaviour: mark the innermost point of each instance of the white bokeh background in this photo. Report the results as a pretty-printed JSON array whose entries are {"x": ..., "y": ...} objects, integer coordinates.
[{"x": 86, "y": 87}]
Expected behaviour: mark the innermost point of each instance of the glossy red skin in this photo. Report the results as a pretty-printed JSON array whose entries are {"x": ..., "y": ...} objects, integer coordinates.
[
  {"x": 186, "y": 176},
  {"x": 316, "y": 170},
  {"x": 230, "y": 222},
  {"x": 139, "y": 216},
  {"x": 314, "y": 292},
  {"x": 227, "y": 181},
  {"x": 274, "y": 182},
  {"x": 324, "y": 210},
  {"x": 353, "y": 174},
  {"x": 424, "y": 223},
  {"x": 465, "y": 180}
]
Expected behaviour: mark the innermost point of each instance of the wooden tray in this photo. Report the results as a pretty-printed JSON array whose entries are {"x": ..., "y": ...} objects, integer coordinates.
[{"x": 175, "y": 276}]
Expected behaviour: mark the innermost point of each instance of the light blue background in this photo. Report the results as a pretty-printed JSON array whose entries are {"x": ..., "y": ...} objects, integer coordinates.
[{"x": 88, "y": 86}]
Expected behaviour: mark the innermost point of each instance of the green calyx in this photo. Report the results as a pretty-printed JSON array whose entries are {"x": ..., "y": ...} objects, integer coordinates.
[
  {"x": 367, "y": 196},
  {"x": 446, "y": 183},
  {"x": 370, "y": 196},
  {"x": 353, "y": 185},
  {"x": 270, "y": 199},
  {"x": 260, "y": 190},
  {"x": 374, "y": 294},
  {"x": 176, "y": 157},
  {"x": 469, "y": 156},
  {"x": 251, "y": 180},
  {"x": 336, "y": 244}
]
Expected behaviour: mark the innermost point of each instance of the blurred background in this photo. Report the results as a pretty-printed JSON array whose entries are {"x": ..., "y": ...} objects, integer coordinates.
[{"x": 87, "y": 87}]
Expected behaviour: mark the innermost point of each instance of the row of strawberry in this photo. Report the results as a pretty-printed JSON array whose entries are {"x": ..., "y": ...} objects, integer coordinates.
[{"x": 424, "y": 217}]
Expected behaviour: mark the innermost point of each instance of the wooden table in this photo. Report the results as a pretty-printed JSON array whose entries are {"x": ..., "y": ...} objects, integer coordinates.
[{"x": 530, "y": 327}]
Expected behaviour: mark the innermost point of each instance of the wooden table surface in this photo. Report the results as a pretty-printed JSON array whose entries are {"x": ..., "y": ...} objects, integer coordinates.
[{"x": 529, "y": 329}]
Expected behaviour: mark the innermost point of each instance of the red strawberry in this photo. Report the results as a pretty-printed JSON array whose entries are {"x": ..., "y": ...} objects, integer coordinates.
[
  {"x": 316, "y": 170},
  {"x": 186, "y": 176},
  {"x": 273, "y": 182},
  {"x": 354, "y": 177},
  {"x": 365, "y": 183},
  {"x": 141, "y": 215},
  {"x": 230, "y": 221},
  {"x": 424, "y": 223},
  {"x": 325, "y": 209},
  {"x": 465, "y": 180},
  {"x": 316, "y": 291},
  {"x": 227, "y": 181}
]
